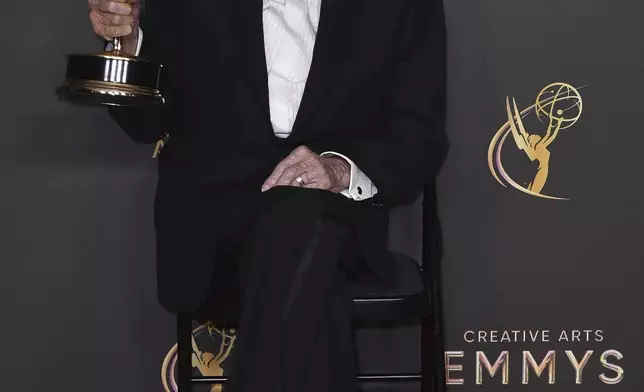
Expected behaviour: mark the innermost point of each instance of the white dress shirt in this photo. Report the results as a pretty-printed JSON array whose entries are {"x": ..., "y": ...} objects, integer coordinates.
[{"x": 290, "y": 29}]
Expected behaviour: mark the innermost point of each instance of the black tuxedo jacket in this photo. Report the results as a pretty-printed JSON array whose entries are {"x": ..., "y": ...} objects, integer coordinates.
[{"x": 375, "y": 93}]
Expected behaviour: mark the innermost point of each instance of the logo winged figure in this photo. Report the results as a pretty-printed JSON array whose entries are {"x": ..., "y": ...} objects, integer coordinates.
[{"x": 561, "y": 105}]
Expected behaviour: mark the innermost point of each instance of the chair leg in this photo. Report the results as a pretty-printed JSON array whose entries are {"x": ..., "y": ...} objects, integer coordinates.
[
  {"x": 431, "y": 363},
  {"x": 184, "y": 352},
  {"x": 426, "y": 356}
]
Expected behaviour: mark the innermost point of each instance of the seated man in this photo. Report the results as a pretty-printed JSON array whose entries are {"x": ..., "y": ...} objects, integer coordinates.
[{"x": 291, "y": 128}]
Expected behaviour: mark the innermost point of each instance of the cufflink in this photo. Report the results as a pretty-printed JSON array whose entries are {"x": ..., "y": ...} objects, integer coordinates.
[{"x": 360, "y": 190}]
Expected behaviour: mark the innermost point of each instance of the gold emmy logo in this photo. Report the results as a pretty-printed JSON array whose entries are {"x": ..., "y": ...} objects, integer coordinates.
[
  {"x": 559, "y": 105},
  {"x": 209, "y": 364}
]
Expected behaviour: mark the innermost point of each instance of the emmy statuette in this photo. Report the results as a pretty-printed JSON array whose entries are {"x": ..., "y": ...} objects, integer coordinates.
[{"x": 112, "y": 78}]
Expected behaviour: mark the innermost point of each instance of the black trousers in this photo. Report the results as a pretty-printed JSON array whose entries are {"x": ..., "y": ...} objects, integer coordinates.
[{"x": 292, "y": 255}]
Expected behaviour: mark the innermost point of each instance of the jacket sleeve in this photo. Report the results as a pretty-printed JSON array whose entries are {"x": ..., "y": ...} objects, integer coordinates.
[
  {"x": 410, "y": 145},
  {"x": 148, "y": 124}
]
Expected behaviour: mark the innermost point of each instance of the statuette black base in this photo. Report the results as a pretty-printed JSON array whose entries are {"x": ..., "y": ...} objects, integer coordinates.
[{"x": 111, "y": 78}]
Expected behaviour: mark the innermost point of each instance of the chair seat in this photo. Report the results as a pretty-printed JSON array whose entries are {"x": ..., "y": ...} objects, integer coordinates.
[{"x": 377, "y": 301}]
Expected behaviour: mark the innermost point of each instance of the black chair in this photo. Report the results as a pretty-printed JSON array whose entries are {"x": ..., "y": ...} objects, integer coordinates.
[{"x": 416, "y": 297}]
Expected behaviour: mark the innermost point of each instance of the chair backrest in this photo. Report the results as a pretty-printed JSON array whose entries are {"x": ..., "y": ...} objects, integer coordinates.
[
  {"x": 415, "y": 231},
  {"x": 406, "y": 230},
  {"x": 432, "y": 274},
  {"x": 432, "y": 237}
]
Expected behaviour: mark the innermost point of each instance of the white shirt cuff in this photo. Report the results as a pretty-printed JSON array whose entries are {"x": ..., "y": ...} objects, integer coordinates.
[
  {"x": 360, "y": 186},
  {"x": 138, "y": 43}
]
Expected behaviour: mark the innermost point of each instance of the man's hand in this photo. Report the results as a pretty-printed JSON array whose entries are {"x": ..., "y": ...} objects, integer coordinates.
[
  {"x": 304, "y": 168},
  {"x": 116, "y": 18}
]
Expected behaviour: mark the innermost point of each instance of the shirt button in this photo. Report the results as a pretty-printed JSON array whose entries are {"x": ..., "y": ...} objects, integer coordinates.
[{"x": 360, "y": 190}]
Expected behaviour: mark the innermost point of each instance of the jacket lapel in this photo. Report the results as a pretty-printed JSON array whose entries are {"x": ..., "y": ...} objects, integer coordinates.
[
  {"x": 331, "y": 46},
  {"x": 247, "y": 34}
]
